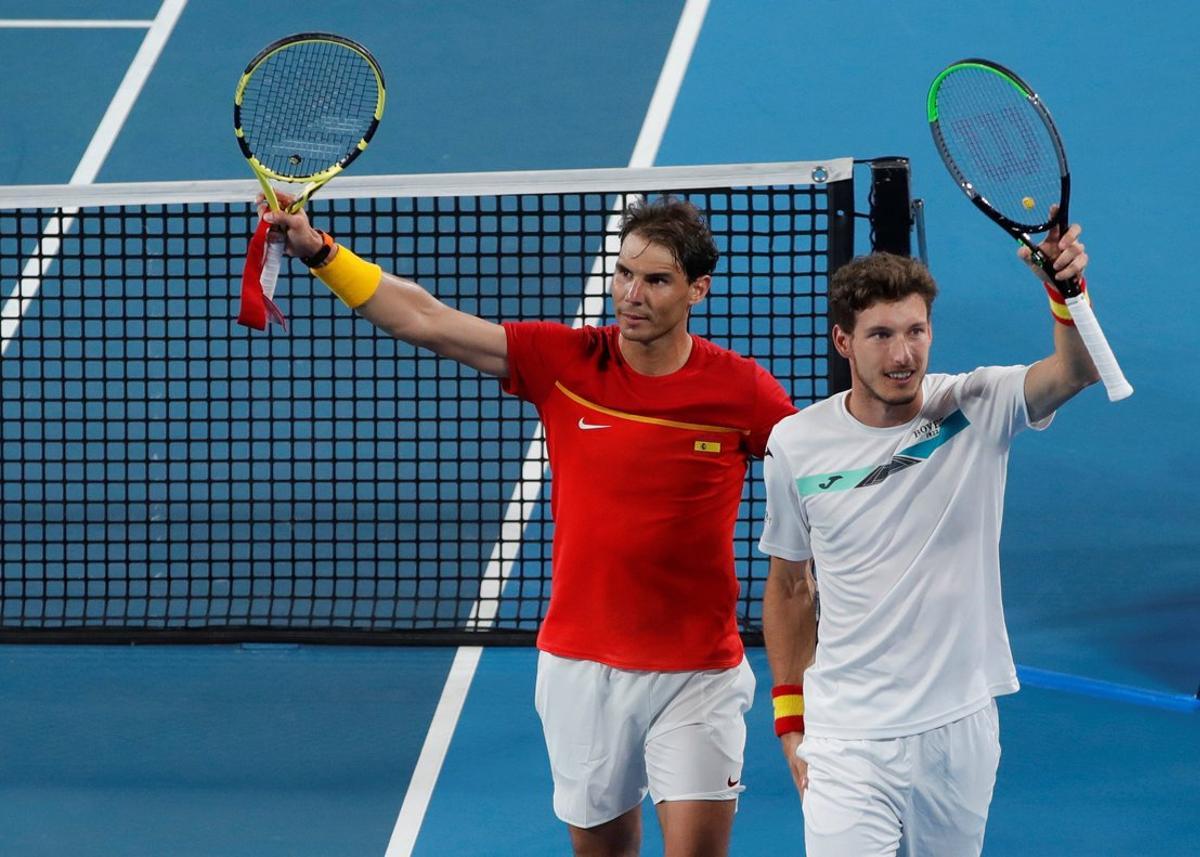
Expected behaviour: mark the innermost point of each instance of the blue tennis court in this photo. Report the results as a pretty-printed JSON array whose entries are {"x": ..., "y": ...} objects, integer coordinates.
[{"x": 299, "y": 749}]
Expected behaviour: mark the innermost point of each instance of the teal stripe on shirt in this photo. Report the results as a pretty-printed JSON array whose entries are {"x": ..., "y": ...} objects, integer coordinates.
[{"x": 825, "y": 483}]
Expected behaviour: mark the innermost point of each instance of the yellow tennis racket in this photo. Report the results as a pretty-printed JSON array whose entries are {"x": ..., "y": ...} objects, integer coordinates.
[{"x": 305, "y": 107}]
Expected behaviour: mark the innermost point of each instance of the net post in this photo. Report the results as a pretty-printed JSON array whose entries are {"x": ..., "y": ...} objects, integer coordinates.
[
  {"x": 891, "y": 206},
  {"x": 841, "y": 251}
]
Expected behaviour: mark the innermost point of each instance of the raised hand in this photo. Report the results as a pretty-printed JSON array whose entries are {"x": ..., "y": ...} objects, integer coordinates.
[
  {"x": 1063, "y": 251},
  {"x": 301, "y": 239}
]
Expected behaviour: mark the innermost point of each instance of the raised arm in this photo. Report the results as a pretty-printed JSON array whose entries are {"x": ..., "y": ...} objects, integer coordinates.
[
  {"x": 398, "y": 306},
  {"x": 1053, "y": 381},
  {"x": 790, "y": 635}
]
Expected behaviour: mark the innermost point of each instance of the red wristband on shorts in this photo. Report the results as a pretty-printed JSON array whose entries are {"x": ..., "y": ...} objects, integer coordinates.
[{"x": 788, "y": 700}]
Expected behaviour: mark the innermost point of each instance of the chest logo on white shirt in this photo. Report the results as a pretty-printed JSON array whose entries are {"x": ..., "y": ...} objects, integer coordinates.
[
  {"x": 929, "y": 438},
  {"x": 586, "y": 426},
  {"x": 928, "y": 430}
]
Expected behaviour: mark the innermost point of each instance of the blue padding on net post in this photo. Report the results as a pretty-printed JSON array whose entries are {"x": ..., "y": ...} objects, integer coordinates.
[{"x": 1050, "y": 680}]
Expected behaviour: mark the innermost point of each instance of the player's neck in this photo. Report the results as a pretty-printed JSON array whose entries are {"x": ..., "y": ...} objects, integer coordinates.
[
  {"x": 870, "y": 410},
  {"x": 660, "y": 356}
]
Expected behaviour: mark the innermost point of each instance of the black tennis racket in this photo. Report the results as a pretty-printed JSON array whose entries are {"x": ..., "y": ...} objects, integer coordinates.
[
  {"x": 305, "y": 107},
  {"x": 999, "y": 143}
]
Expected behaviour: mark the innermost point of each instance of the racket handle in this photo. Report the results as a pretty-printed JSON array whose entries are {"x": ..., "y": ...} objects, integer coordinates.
[
  {"x": 271, "y": 263},
  {"x": 1097, "y": 346}
]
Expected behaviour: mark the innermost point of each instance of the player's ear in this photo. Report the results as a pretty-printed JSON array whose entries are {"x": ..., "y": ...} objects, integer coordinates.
[
  {"x": 698, "y": 289},
  {"x": 841, "y": 340}
]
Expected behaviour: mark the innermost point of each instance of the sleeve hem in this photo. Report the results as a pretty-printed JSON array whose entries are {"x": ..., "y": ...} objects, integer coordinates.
[{"x": 790, "y": 554}]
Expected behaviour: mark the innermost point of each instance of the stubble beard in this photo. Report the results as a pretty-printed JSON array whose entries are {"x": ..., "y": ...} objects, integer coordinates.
[{"x": 900, "y": 401}]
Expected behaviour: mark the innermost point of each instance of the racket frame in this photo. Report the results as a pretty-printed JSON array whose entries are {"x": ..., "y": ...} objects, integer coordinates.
[
  {"x": 1072, "y": 290},
  {"x": 273, "y": 257},
  {"x": 1019, "y": 231},
  {"x": 313, "y": 181}
]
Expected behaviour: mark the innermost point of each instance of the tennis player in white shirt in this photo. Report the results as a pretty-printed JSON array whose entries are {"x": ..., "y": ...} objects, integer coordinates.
[{"x": 895, "y": 490}]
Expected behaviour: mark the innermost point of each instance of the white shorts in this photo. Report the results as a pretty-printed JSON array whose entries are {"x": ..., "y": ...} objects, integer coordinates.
[
  {"x": 614, "y": 734},
  {"x": 925, "y": 795}
]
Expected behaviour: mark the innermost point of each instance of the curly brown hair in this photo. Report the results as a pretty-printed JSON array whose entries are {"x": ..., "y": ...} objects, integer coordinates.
[
  {"x": 879, "y": 277},
  {"x": 677, "y": 225}
]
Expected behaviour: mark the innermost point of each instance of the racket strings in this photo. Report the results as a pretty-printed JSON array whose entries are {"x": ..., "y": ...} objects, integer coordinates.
[
  {"x": 307, "y": 107},
  {"x": 1001, "y": 144}
]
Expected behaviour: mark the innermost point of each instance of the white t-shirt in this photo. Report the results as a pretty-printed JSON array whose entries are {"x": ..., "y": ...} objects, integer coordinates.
[{"x": 903, "y": 524}]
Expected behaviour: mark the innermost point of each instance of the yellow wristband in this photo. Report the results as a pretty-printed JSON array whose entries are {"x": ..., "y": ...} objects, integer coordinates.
[
  {"x": 1058, "y": 306},
  {"x": 350, "y": 278},
  {"x": 1060, "y": 311},
  {"x": 788, "y": 701},
  {"x": 789, "y": 705}
]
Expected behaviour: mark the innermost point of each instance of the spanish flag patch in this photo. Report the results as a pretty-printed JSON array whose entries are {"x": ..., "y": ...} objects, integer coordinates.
[{"x": 707, "y": 446}]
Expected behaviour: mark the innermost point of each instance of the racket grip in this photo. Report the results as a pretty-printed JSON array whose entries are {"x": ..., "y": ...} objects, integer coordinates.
[
  {"x": 1097, "y": 346},
  {"x": 271, "y": 263}
]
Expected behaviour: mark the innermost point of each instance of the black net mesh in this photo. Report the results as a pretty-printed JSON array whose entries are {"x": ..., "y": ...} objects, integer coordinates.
[{"x": 165, "y": 470}]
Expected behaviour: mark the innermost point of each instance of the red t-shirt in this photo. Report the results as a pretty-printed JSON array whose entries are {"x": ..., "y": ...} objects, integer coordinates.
[{"x": 647, "y": 477}]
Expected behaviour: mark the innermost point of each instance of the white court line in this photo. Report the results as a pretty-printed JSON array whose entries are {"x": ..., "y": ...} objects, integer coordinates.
[
  {"x": 71, "y": 24},
  {"x": 525, "y": 494},
  {"x": 89, "y": 167}
]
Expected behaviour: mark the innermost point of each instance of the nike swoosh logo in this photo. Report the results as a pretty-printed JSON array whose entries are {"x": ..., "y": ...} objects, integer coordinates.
[
  {"x": 731, "y": 782},
  {"x": 586, "y": 425}
]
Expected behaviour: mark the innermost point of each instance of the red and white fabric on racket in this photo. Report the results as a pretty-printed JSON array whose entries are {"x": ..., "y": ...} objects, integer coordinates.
[{"x": 257, "y": 305}]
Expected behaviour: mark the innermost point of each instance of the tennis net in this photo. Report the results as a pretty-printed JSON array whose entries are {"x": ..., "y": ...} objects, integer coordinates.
[{"x": 168, "y": 475}]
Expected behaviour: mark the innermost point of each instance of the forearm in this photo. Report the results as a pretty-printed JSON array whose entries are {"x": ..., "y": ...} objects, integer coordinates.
[
  {"x": 789, "y": 622},
  {"x": 397, "y": 306},
  {"x": 1053, "y": 381},
  {"x": 1056, "y": 379},
  {"x": 405, "y": 310},
  {"x": 1077, "y": 367}
]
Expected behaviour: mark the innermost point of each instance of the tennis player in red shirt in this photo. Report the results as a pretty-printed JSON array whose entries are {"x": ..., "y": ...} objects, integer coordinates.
[{"x": 642, "y": 682}]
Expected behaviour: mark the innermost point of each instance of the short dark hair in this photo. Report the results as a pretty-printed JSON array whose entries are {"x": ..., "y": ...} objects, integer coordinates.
[
  {"x": 879, "y": 277},
  {"x": 677, "y": 225}
]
